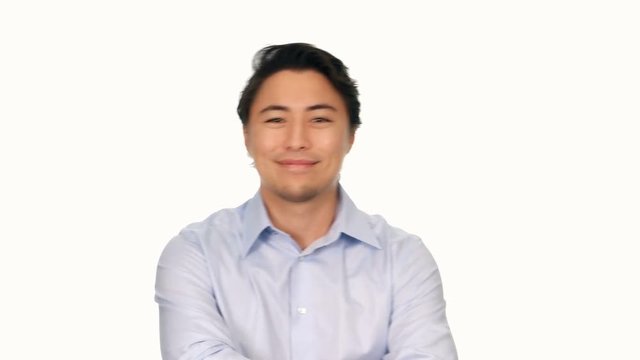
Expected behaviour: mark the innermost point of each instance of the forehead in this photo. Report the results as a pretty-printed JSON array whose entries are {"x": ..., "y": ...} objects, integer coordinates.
[{"x": 297, "y": 88}]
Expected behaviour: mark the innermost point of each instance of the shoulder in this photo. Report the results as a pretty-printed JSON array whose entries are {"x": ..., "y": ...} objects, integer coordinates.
[
  {"x": 403, "y": 248},
  {"x": 222, "y": 221},
  {"x": 392, "y": 237},
  {"x": 218, "y": 231}
]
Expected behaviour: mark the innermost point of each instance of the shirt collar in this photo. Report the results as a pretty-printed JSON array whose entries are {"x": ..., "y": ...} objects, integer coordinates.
[
  {"x": 349, "y": 221},
  {"x": 353, "y": 222},
  {"x": 255, "y": 221}
]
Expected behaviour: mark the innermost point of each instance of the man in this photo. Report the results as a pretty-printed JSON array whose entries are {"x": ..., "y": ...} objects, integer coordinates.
[{"x": 298, "y": 272}]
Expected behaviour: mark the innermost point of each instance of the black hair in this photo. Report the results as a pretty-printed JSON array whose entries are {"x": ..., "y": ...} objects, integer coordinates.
[{"x": 300, "y": 56}]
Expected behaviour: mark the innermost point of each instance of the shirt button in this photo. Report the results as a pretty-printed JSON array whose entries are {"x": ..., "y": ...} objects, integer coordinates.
[{"x": 302, "y": 310}]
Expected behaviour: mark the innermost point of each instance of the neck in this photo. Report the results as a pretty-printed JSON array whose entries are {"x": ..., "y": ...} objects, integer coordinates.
[{"x": 305, "y": 221}]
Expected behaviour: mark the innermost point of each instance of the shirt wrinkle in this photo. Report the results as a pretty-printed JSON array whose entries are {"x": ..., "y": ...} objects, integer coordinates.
[{"x": 234, "y": 283}]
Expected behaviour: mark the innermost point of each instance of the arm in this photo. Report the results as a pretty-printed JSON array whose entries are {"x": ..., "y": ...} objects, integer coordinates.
[
  {"x": 191, "y": 327},
  {"x": 418, "y": 328}
]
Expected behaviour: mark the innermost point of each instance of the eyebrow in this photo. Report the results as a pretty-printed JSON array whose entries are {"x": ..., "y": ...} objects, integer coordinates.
[{"x": 310, "y": 108}]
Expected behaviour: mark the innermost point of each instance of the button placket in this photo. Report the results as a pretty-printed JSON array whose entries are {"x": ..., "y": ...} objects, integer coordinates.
[{"x": 302, "y": 321}]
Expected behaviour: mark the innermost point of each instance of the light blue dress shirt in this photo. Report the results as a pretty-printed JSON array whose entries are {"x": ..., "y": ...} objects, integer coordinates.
[{"x": 235, "y": 287}]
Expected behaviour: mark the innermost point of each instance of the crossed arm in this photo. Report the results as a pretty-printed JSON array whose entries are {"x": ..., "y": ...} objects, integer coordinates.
[{"x": 192, "y": 328}]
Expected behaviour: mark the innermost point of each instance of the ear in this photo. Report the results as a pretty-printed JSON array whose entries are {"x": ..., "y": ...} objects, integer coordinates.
[
  {"x": 352, "y": 138},
  {"x": 245, "y": 134}
]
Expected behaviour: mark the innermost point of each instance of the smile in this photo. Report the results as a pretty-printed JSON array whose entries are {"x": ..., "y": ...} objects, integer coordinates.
[{"x": 297, "y": 164}]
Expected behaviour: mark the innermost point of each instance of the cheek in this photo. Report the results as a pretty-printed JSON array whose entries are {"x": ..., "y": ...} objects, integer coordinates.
[
  {"x": 260, "y": 146},
  {"x": 339, "y": 146}
]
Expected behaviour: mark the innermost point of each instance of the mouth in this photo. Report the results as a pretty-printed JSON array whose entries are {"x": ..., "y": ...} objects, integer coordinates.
[{"x": 297, "y": 164}]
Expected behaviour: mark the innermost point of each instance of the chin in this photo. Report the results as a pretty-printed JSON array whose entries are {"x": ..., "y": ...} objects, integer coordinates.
[{"x": 297, "y": 195}]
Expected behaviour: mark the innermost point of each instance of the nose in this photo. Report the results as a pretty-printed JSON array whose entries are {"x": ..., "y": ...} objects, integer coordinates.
[{"x": 297, "y": 136}]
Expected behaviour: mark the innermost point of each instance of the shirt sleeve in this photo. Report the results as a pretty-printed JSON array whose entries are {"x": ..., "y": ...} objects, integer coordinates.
[
  {"x": 191, "y": 327},
  {"x": 418, "y": 328}
]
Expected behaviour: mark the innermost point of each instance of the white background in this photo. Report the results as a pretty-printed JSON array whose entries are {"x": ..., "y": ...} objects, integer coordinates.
[{"x": 504, "y": 133}]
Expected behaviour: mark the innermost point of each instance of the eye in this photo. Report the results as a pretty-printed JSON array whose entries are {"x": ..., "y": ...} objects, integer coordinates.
[
  {"x": 274, "y": 120},
  {"x": 320, "y": 120}
]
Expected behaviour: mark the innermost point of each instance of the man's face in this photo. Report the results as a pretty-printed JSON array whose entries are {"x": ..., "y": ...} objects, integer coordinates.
[{"x": 298, "y": 134}]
